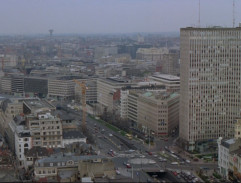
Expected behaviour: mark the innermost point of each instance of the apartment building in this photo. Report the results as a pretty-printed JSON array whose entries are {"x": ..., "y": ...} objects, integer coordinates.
[
  {"x": 46, "y": 129},
  {"x": 210, "y": 83},
  {"x": 158, "y": 112}
]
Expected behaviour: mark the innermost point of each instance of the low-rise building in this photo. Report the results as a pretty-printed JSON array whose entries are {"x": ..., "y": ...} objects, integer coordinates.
[
  {"x": 63, "y": 167},
  {"x": 33, "y": 154},
  {"x": 72, "y": 136}
]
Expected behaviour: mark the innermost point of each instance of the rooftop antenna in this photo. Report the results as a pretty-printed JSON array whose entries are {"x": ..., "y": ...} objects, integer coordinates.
[
  {"x": 51, "y": 32},
  {"x": 233, "y": 13},
  {"x": 199, "y": 14}
]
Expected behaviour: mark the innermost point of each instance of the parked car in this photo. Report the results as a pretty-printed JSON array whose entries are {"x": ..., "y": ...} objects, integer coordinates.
[
  {"x": 174, "y": 163},
  {"x": 117, "y": 172},
  {"x": 188, "y": 161}
]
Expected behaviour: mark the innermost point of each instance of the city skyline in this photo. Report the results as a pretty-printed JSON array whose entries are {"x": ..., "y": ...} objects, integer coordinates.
[{"x": 112, "y": 16}]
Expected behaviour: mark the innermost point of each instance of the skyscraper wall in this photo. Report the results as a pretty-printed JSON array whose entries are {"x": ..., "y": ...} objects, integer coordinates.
[{"x": 210, "y": 82}]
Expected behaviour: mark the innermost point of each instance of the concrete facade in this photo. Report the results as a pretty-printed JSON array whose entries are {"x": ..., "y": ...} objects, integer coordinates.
[
  {"x": 210, "y": 83},
  {"x": 109, "y": 92},
  {"x": 158, "y": 112}
]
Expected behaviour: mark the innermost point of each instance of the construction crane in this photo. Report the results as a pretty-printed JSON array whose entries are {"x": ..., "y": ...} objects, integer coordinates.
[
  {"x": 2, "y": 63},
  {"x": 83, "y": 99}
]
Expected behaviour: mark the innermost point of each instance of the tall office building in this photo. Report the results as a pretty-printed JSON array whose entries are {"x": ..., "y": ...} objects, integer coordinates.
[{"x": 210, "y": 83}]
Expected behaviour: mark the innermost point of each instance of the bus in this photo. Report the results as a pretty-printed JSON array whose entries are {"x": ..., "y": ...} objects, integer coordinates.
[{"x": 129, "y": 136}]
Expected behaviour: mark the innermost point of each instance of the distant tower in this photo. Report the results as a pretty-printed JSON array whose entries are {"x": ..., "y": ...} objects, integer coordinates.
[
  {"x": 199, "y": 25},
  {"x": 51, "y": 32},
  {"x": 233, "y": 13}
]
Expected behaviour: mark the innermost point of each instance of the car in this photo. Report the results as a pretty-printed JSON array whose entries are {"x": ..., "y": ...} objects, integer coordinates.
[
  {"x": 150, "y": 153},
  {"x": 155, "y": 155},
  {"x": 174, "y": 173},
  {"x": 117, "y": 172},
  {"x": 110, "y": 135},
  {"x": 174, "y": 163},
  {"x": 188, "y": 161},
  {"x": 142, "y": 156},
  {"x": 131, "y": 150},
  {"x": 162, "y": 159},
  {"x": 124, "y": 163},
  {"x": 166, "y": 139},
  {"x": 128, "y": 165}
]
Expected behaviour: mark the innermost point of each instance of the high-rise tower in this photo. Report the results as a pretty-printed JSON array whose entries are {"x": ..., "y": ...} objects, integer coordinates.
[{"x": 210, "y": 83}]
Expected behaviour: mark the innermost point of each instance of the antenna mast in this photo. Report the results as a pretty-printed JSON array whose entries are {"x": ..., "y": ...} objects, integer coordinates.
[
  {"x": 199, "y": 14},
  {"x": 233, "y": 13}
]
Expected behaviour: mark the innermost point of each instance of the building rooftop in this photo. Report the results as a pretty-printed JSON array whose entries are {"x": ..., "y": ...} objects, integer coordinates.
[
  {"x": 63, "y": 115},
  {"x": 167, "y": 77},
  {"x": 211, "y": 28},
  {"x": 238, "y": 152},
  {"x": 163, "y": 95},
  {"x": 226, "y": 143},
  {"x": 72, "y": 134},
  {"x": 37, "y": 152},
  {"x": 117, "y": 80},
  {"x": 64, "y": 174},
  {"x": 70, "y": 77},
  {"x": 37, "y": 104},
  {"x": 63, "y": 158},
  {"x": 24, "y": 133}
]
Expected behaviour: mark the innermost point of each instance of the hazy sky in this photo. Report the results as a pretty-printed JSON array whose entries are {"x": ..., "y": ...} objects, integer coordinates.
[{"x": 112, "y": 16}]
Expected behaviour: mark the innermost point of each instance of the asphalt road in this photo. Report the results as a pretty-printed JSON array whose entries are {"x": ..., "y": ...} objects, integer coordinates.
[{"x": 106, "y": 142}]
